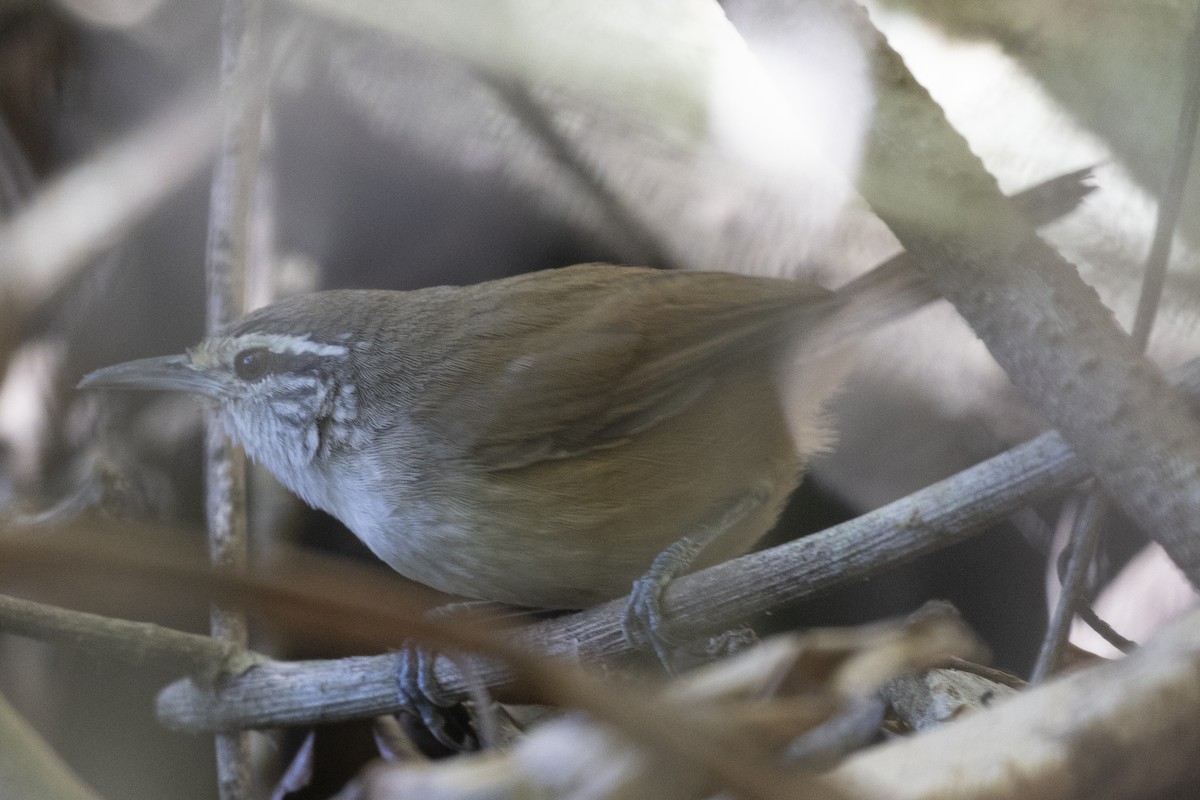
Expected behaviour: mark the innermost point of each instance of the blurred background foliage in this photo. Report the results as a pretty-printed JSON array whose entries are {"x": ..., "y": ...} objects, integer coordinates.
[{"x": 417, "y": 143}]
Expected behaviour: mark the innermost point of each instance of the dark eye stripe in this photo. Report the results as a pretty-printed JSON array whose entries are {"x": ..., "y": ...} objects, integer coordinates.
[
  {"x": 254, "y": 363},
  {"x": 297, "y": 362}
]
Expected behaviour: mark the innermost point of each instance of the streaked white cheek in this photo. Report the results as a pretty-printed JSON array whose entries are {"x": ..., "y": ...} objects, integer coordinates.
[
  {"x": 283, "y": 425},
  {"x": 312, "y": 442},
  {"x": 285, "y": 441},
  {"x": 346, "y": 409}
]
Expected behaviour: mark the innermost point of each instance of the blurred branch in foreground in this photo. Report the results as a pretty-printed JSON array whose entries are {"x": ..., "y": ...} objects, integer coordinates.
[
  {"x": 1059, "y": 741},
  {"x": 1056, "y": 741},
  {"x": 29, "y": 769},
  {"x": 325, "y": 600},
  {"x": 92, "y": 205}
]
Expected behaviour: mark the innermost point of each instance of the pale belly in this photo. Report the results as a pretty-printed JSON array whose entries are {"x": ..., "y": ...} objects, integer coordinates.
[{"x": 572, "y": 532}]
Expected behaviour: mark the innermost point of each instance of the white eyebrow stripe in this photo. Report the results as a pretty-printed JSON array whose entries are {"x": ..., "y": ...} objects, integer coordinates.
[{"x": 282, "y": 343}]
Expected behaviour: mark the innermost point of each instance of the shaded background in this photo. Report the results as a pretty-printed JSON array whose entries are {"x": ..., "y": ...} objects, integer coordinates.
[{"x": 391, "y": 166}]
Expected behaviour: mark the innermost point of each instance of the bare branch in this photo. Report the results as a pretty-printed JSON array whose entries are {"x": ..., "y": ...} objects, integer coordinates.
[
  {"x": 1048, "y": 330},
  {"x": 225, "y": 267},
  {"x": 134, "y": 643}
]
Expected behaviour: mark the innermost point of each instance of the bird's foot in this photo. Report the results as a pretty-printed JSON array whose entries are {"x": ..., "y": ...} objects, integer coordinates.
[
  {"x": 645, "y": 622},
  {"x": 422, "y": 699}
]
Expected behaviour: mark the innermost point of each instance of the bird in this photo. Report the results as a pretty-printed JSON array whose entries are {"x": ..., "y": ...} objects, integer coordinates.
[
  {"x": 553, "y": 439},
  {"x": 539, "y": 440}
]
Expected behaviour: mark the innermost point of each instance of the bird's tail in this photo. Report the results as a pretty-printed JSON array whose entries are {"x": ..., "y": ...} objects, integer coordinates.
[
  {"x": 896, "y": 288},
  {"x": 889, "y": 292}
]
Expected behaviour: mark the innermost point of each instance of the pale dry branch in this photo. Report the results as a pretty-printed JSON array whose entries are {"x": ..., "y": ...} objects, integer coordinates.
[
  {"x": 777, "y": 694},
  {"x": 610, "y": 54},
  {"x": 133, "y": 643},
  {"x": 1058, "y": 344},
  {"x": 89, "y": 207},
  {"x": 1118, "y": 731},
  {"x": 230, "y": 204}
]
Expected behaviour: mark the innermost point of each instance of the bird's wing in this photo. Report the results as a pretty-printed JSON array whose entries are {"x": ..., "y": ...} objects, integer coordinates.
[{"x": 604, "y": 354}]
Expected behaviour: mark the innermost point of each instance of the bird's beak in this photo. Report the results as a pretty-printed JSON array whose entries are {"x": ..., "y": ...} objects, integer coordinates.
[{"x": 165, "y": 373}]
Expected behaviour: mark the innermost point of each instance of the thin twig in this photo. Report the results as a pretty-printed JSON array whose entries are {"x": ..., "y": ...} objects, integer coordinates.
[
  {"x": 1085, "y": 535},
  {"x": 1103, "y": 629},
  {"x": 133, "y": 643},
  {"x": 485, "y": 710},
  {"x": 1172, "y": 197},
  {"x": 225, "y": 267}
]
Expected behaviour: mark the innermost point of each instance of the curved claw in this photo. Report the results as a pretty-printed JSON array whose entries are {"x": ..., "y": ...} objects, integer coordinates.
[
  {"x": 644, "y": 622},
  {"x": 421, "y": 697}
]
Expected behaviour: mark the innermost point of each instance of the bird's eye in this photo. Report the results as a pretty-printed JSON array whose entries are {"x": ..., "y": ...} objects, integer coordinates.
[{"x": 252, "y": 364}]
